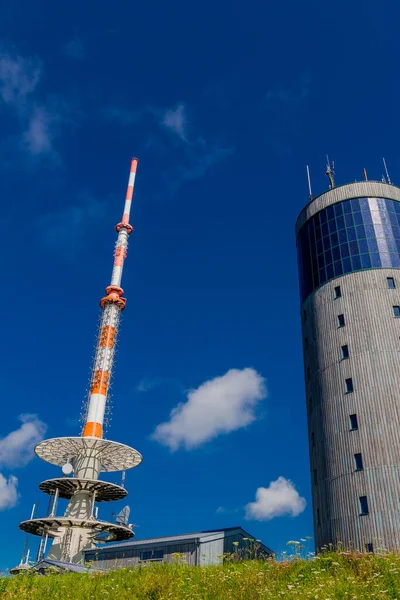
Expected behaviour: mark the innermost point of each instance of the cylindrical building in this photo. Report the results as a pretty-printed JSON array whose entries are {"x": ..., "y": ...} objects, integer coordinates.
[{"x": 348, "y": 243}]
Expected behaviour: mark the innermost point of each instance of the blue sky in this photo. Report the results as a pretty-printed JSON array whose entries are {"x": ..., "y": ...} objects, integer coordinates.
[{"x": 224, "y": 103}]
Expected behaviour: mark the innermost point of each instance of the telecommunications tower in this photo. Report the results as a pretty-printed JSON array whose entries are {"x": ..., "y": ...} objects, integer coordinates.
[{"x": 83, "y": 458}]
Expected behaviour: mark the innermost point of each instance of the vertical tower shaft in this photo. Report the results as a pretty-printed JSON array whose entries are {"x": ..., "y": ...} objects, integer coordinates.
[
  {"x": 112, "y": 305},
  {"x": 348, "y": 242},
  {"x": 86, "y": 456}
]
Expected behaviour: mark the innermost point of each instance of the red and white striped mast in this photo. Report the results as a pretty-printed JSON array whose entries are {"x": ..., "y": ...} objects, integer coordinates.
[
  {"x": 112, "y": 305},
  {"x": 83, "y": 458}
]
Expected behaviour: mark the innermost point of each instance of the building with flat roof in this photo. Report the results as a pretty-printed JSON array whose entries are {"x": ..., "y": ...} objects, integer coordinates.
[
  {"x": 200, "y": 548},
  {"x": 348, "y": 243}
]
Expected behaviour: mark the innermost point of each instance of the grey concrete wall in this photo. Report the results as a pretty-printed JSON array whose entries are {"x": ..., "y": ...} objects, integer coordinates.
[{"x": 372, "y": 334}]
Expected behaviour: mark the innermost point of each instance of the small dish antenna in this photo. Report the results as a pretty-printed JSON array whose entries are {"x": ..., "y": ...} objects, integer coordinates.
[
  {"x": 67, "y": 469},
  {"x": 330, "y": 172},
  {"x": 386, "y": 171}
]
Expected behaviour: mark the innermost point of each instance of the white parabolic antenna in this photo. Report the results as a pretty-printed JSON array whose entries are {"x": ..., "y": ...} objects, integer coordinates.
[{"x": 67, "y": 469}]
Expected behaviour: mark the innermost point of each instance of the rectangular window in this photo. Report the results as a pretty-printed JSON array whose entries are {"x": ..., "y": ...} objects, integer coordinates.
[
  {"x": 315, "y": 477},
  {"x": 353, "y": 422},
  {"x": 359, "y": 462},
  {"x": 338, "y": 292},
  {"x": 318, "y": 517},
  {"x": 152, "y": 555},
  {"x": 396, "y": 311},
  {"x": 341, "y": 320},
  {"x": 391, "y": 283},
  {"x": 349, "y": 385},
  {"x": 363, "y": 505},
  {"x": 345, "y": 351},
  {"x": 369, "y": 547}
]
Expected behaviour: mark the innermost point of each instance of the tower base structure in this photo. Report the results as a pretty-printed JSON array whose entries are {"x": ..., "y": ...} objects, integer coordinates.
[{"x": 80, "y": 529}]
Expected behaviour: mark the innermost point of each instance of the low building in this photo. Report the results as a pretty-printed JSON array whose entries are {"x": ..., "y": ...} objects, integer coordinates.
[{"x": 200, "y": 548}]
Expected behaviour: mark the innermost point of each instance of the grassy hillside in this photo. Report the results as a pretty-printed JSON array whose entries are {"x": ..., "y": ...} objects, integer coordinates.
[{"x": 347, "y": 576}]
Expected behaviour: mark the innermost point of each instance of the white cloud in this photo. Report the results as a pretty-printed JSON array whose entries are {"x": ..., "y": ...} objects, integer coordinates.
[
  {"x": 279, "y": 499},
  {"x": 36, "y": 119},
  {"x": 16, "y": 449},
  {"x": 38, "y": 137},
  {"x": 218, "y": 406},
  {"x": 8, "y": 492},
  {"x": 175, "y": 120},
  {"x": 192, "y": 154},
  {"x": 145, "y": 385},
  {"x": 221, "y": 510},
  {"x": 18, "y": 79}
]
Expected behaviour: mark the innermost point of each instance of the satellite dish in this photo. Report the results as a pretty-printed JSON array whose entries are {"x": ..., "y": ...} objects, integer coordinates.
[
  {"x": 122, "y": 517},
  {"x": 67, "y": 469}
]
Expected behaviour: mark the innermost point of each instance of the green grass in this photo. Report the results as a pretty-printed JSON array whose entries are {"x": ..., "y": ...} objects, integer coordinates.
[{"x": 344, "y": 575}]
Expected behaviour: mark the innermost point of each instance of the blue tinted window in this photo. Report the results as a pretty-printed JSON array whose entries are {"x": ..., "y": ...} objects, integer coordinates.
[
  {"x": 344, "y": 249},
  {"x": 330, "y": 212},
  {"x": 363, "y": 505},
  {"x": 338, "y": 268},
  {"x": 351, "y": 233},
  {"x": 353, "y": 422},
  {"x": 366, "y": 261},
  {"x": 375, "y": 260},
  {"x": 358, "y": 219},
  {"x": 346, "y": 265},
  {"x": 349, "y": 385},
  {"x": 338, "y": 209},
  {"x": 358, "y": 462},
  {"x": 396, "y": 311},
  {"x": 360, "y": 231},
  {"x": 348, "y": 219},
  {"x": 343, "y": 238},
  {"x": 340, "y": 222}
]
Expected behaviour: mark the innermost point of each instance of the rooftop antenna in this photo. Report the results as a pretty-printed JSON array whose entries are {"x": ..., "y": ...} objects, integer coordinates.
[
  {"x": 122, "y": 517},
  {"x": 123, "y": 479},
  {"x": 25, "y": 551},
  {"x": 309, "y": 183},
  {"x": 365, "y": 174},
  {"x": 330, "y": 172},
  {"x": 386, "y": 171}
]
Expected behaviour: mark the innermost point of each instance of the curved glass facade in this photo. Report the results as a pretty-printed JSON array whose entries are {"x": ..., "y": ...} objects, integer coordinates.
[{"x": 357, "y": 234}]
